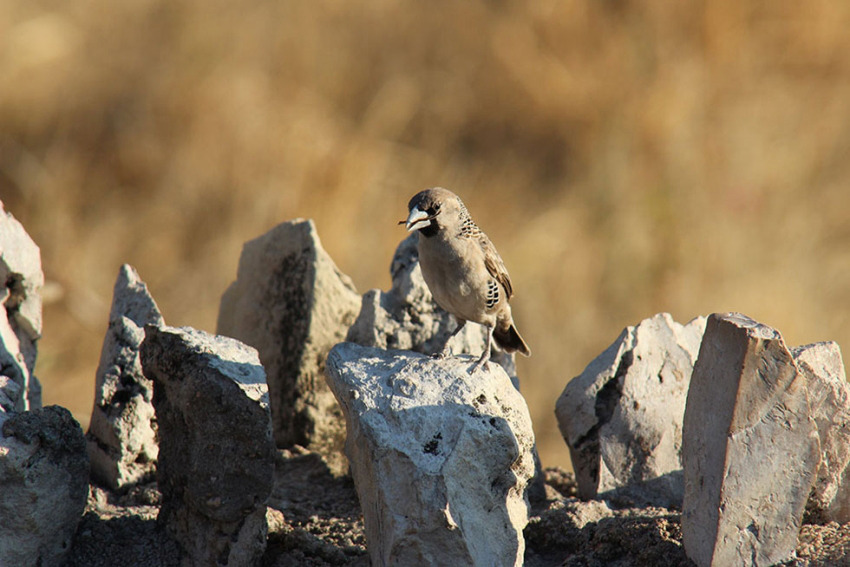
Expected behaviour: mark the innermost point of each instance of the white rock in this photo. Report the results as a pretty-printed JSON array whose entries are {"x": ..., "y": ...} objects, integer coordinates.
[
  {"x": 44, "y": 480},
  {"x": 829, "y": 403},
  {"x": 122, "y": 436},
  {"x": 20, "y": 321},
  {"x": 292, "y": 304},
  {"x": 441, "y": 459},
  {"x": 750, "y": 449},
  {"x": 622, "y": 416},
  {"x": 216, "y": 453}
]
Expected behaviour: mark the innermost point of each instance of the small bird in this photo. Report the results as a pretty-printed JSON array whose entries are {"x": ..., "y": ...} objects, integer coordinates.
[{"x": 464, "y": 272}]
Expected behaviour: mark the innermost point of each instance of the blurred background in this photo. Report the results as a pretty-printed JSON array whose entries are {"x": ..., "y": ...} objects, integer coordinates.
[{"x": 626, "y": 158}]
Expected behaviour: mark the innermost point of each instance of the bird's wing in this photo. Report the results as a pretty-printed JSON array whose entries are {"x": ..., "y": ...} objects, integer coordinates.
[{"x": 495, "y": 265}]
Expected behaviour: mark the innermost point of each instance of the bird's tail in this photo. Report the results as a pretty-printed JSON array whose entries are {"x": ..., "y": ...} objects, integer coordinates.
[{"x": 510, "y": 340}]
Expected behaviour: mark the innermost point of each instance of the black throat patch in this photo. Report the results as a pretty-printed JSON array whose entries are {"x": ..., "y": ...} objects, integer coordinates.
[{"x": 430, "y": 230}]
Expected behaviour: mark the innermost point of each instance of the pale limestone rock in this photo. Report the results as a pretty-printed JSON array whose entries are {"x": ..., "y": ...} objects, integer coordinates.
[
  {"x": 44, "y": 480},
  {"x": 441, "y": 459},
  {"x": 829, "y": 403},
  {"x": 750, "y": 449},
  {"x": 292, "y": 304},
  {"x": 622, "y": 416},
  {"x": 216, "y": 453},
  {"x": 20, "y": 321},
  {"x": 122, "y": 437}
]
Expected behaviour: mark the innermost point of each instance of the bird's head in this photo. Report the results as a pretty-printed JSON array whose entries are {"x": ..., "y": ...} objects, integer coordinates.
[{"x": 431, "y": 210}]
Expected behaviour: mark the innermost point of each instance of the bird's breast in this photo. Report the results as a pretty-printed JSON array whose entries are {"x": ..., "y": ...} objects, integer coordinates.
[{"x": 457, "y": 277}]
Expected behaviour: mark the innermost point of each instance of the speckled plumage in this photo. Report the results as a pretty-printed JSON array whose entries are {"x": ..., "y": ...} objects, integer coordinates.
[{"x": 462, "y": 268}]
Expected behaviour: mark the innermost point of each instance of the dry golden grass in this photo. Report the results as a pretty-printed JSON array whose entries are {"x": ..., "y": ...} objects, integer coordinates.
[{"x": 626, "y": 158}]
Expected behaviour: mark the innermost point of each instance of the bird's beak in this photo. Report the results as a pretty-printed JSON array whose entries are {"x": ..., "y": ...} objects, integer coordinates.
[{"x": 417, "y": 219}]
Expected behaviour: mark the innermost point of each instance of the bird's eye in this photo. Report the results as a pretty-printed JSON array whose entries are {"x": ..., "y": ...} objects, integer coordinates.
[{"x": 435, "y": 209}]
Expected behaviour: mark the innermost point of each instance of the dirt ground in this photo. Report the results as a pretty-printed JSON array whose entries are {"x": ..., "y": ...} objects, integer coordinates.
[{"x": 315, "y": 520}]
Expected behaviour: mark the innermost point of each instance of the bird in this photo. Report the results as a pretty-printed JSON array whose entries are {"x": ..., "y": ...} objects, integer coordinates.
[{"x": 463, "y": 270}]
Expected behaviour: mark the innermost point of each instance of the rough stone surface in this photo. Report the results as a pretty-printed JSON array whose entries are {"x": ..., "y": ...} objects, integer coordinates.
[
  {"x": 216, "y": 454},
  {"x": 122, "y": 438},
  {"x": 317, "y": 528},
  {"x": 622, "y": 416},
  {"x": 292, "y": 304},
  {"x": 441, "y": 459},
  {"x": 43, "y": 485},
  {"x": 407, "y": 317},
  {"x": 20, "y": 321},
  {"x": 829, "y": 403},
  {"x": 750, "y": 450}
]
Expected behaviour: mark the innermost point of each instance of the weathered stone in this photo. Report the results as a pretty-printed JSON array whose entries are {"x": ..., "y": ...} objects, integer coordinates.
[
  {"x": 216, "y": 454},
  {"x": 441, "y": 460},
  {"x": 829, "y": 403},
  {"x": 43, "y": 485},
  {"x": 622, "y": 416},
  {"x": 122, "y": 438},
  {"x": 20, "y": 321},
  {"x": 292, "y": 304},
  {"x": 750, "y": 450},
  {"x": 408, "y": 318}
]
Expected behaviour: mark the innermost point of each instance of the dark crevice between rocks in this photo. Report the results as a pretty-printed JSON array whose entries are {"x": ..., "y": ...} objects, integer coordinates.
[{"x": 585, "y": 454}]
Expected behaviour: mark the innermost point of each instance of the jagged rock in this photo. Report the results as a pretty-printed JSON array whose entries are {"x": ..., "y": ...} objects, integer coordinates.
[
  {"x": 750, "y": 450},
  {"x": 216, "y": 454},
  {"x": 20, "y": 321},
  {"x": 622, "y": 416},
  {"x": 829, "y": 403},
  {"x": 44, "y": 480},
  {"x": 408, "y": 318},
  {"x": 441, "y": 459},
  {"x": 292, "y": 304},
  {"x": 122, "y": 438}
]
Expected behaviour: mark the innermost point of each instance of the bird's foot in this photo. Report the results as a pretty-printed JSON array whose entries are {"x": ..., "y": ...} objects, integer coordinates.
[{"x": 480, "y": 363}]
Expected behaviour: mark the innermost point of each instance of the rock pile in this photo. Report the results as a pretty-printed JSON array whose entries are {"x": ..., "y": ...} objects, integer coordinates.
[{"x": 718, "y": 418}]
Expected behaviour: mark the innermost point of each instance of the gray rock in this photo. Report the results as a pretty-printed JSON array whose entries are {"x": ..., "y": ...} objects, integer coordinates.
[
  {"x": 750, "y": 450},
  {"x": 44, "y": 480},
  {"x": 622, "y": 416},
  {"x": 292, "y": 304},
  {"x": 408, "y": 318},
  {"x": 829, "y": 403},
  {"x": 122, "y": 437},
  {"x": 216, "y": 454},
  {"x": 20, "y": 321},
  {"x": 441, "y": 460}
]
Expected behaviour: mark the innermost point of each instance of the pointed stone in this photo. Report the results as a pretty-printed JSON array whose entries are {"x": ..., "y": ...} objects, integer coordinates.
[
  {"x": 622, "y": 416},
  {"x": 441, "y": 459},
  {"x": 750, "y": 450},
  {"x": 292, "y": 304},
  {"x": 122, "y": 436}
]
